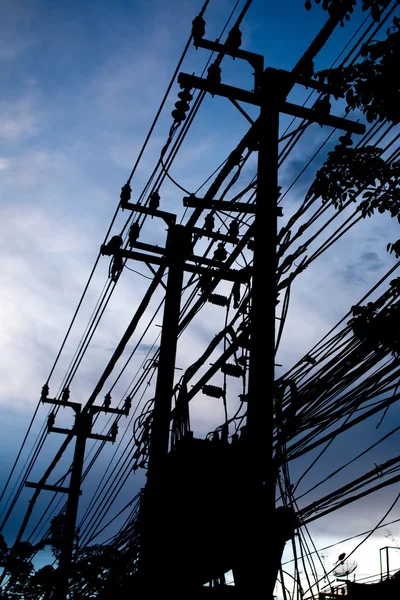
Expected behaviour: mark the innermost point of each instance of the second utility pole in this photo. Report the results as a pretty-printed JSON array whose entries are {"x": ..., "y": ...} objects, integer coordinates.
[
  {"x": 266, "y": 527},
  {"x": 259, "y": 424}
]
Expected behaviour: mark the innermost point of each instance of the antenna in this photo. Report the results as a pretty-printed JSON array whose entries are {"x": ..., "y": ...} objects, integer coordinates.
[
  {"x": 323, "y": 558},
  {"x": 344, "y": 568}
]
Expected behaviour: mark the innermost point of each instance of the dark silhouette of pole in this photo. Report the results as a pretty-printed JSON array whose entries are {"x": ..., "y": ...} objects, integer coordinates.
[
  {"x": 153, "y": 539},
  {"x": 177, "y": 245},
  {"x": 82, "y": 431},
  {"x": 258, "y": 436}
]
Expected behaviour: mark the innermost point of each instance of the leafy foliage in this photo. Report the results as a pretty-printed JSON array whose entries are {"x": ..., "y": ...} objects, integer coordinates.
[
  {"x": 379, "y": 329},
  {"x": 17, "y": 568},
  {"x": 95, "y": 571},
  {"x": 373, "y": 87},
  {"x": 92, "y": 569},
  {"x": 395, "y": 248},
  {"x": 349, "y": 171},
  {"x": 346, "y": 7},
  {"x": 373, "y": 84},
  {"x": 41, "y": 583}
]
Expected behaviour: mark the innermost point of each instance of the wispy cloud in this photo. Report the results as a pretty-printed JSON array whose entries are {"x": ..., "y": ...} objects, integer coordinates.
[
  {"x": 18, "y": 120},
  {"x": 4, "y": 163}
]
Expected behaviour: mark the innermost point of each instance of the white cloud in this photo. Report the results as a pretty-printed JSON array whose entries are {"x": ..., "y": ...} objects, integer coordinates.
[
  {"x": 41, "y": 278},
  {"x": 4, "y": 163},
  {"x": 59, "y": 189},
  {"x": 18, "y": 120}
]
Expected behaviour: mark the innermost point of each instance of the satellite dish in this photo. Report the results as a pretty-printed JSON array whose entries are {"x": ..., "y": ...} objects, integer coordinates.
[{"x": 345, "y": 567}]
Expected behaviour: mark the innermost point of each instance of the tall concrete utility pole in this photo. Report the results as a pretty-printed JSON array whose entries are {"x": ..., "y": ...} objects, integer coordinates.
[
  {"x": 177, "y": 561},
  {"x": 262, "y": 521}
]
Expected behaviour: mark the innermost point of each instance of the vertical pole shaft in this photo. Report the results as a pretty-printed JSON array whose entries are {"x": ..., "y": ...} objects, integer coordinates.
[
  {"x": 387, "y": 563},
  {"x": 259, "y": 426},
  {"x": 263, "y": 295},
  {"x": 153, "y": 513},
  {"x": 82, "y": 431},
  {"x": 159, "y": 440}
]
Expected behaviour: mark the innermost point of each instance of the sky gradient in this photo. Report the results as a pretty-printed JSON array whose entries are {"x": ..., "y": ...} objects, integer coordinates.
[{"x": 81, "y": 85}]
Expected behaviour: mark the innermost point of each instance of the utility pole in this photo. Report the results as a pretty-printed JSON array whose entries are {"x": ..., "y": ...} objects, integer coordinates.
[
  {"x": 262, "y": 520},
  {"x": 153, "y": 539},
  {"x": 82, "y": 430},
  {"x": 178, "y": 248},
  {"x": 157, "y": 567},
  {"x": 259, "y": 425},
  {"x": 164, "y": 556}
]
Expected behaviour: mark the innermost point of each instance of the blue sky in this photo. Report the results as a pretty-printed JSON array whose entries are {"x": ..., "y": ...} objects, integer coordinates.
[{"x": 82, "y": 82}]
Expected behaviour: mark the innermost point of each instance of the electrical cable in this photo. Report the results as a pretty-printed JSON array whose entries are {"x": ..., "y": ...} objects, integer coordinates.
[{"x": 192, "y": 296}]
